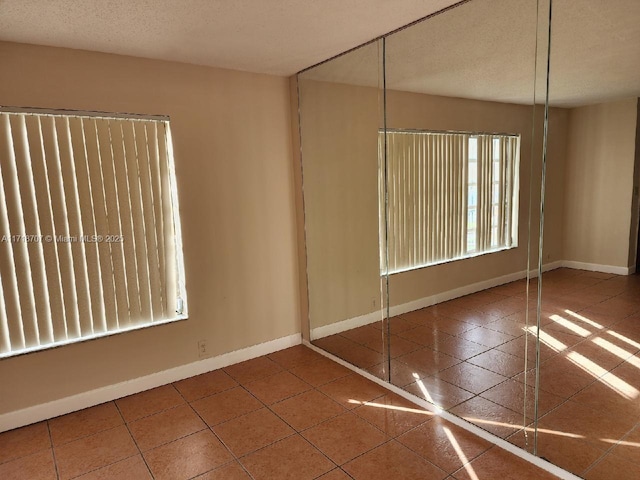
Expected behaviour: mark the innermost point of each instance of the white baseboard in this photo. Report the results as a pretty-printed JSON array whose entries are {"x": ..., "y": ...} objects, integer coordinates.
[
  {"x": 551, "y": 265},
  {"x": 376, "y": 316},
  {"x": 37, "y": 413},
  {"x": 344, "y": 325},
  {"x": 424, "y": 302},
  {"x": 594, "y": 267},
  {"x": 455, "y": 293}
]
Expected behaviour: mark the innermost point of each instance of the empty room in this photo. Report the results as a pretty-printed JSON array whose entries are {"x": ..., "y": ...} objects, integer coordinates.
[{"x": 319, "y": 240}]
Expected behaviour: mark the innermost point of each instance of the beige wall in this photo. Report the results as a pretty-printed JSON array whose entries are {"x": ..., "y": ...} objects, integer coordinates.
[
  {"x": 599, "y": 183},
  {"x": 339, "y": 125},
  {"x": 339, "y": 151},
  {"x": 635, "y": 203},
  {"x": 554, "y": 185},
  {"x": 232, "y": 141}
]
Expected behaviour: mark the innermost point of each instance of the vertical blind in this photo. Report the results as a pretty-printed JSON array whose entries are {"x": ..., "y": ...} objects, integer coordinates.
[
  {"x": 89, "y": 234},
  {"x": 445, "y": 196}
]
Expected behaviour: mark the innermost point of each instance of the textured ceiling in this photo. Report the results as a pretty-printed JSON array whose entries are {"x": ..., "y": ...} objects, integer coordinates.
[
  {"x": 486, "y": 49},
  {"x": 482, "y": 49},
  {"x": 267, "y": 36},
  {"x": 595, "y": 51}
]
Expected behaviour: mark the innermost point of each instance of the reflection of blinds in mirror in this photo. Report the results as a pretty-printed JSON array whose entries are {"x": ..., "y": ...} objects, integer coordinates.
[
  {"x": 88, "y": 233},
  {"x": 450, "y": 195}
]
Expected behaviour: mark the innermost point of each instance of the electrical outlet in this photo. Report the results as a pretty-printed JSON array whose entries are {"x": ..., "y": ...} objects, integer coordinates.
[{"x": 202, "y": 348}]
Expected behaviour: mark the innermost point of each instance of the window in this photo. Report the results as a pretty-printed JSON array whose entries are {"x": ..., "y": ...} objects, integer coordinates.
[
  {"x": 449, "y": 195},
  {"x": 90, "y": 241}
]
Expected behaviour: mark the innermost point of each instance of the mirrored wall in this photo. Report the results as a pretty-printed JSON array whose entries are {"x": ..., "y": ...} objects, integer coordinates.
[
  {"x": 464, "y": 144},
  {"x": 589, "y": 385},
  {"x": 471, "y": 220},
  {"x": 341, "y": 112}
]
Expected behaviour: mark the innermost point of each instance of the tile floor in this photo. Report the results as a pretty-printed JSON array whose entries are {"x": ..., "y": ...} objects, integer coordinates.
[
  {"x": 293, "y": 414},
  {"x": 468, "y": 356}
]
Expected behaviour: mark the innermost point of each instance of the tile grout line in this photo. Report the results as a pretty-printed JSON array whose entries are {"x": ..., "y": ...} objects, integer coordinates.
[
  {"x": 53, "y": 452},
  {"x": 126, "y": 424},
  {"x": 420, "y": 455},
  {"x": 388, "y": 439},
  {"x": 139, "y": 393},
  {"x": 210, "y": 428},
  {"x": 91, "y": 435},
  {"x": 268, "y": 407},
  {"x": 299, "y": 432}
]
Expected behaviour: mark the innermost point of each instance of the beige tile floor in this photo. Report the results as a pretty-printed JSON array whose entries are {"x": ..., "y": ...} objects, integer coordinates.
[
  {"x": 293, "y": 414},
  {"x": 468, "y": 356}
]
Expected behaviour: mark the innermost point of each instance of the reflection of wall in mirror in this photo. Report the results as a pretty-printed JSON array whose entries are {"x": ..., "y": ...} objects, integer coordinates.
[
  {"x": 339, "y": 126},
  {"x": 601, "y": 146},
  {"x": 440, "y": 282},
  {"x": 341, "y": 187},
  {"x": 411, "y": 289}
]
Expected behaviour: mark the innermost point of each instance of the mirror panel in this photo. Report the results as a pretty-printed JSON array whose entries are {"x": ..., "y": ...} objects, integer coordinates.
[
  {"x": 590, "y": 308},
  {"x": 341, "y": 112},
  {"x": 464, "y": 144},
  {"x": 541, "y": 364}
]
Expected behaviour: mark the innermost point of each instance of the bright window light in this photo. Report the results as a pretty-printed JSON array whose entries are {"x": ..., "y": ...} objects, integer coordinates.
[
  {"x": 90, "y": 238},
  {"x": 445, "y": 196}
]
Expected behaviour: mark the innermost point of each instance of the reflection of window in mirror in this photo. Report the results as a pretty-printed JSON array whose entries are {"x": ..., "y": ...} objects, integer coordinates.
[{"x": 449, "y": 195}]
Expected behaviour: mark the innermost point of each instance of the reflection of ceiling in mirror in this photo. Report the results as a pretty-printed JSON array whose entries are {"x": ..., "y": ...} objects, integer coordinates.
[
  {"x": 362, "y": 66},
  {"x": 595, "y": 52},
  {"x": 485, "y": 50},
  {"x": 482, "y": 50}
]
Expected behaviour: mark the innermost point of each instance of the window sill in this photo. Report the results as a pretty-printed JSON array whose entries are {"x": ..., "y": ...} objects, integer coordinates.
[{"x": 450, "y": 260}]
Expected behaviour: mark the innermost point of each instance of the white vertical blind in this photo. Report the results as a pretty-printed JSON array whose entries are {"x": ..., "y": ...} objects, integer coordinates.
[
  {"x": 427, "y": 187},
  {"x": 88, "y": 228}
]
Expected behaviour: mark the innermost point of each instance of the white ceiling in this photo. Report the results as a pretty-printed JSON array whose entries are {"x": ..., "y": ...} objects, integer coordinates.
[
  {"x": 595, "y": 51},
  {"x": 277, "y": 37},
  {"x": 482, "y": 49},
  {"x": 485, "y": 49}
]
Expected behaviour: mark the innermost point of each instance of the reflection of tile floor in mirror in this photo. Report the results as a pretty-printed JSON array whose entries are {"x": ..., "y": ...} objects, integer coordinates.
[
  {"x": 293, "y": 415},
  {"x": 468, "y": 355}
]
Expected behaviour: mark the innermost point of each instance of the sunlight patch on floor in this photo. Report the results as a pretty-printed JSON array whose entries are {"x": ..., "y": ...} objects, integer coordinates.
[
  {"x": 611, "y": 380},
  {"x": 623, "y": 338},
  {"x": 584, "y": 319},
  {"x": 391, "y": 407},
  {"x": 569, "y": 325},
  {"x": 463, "y": 458},
  {"x": 425, "y": 392},
  {"x": 617, "y": 351}
]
